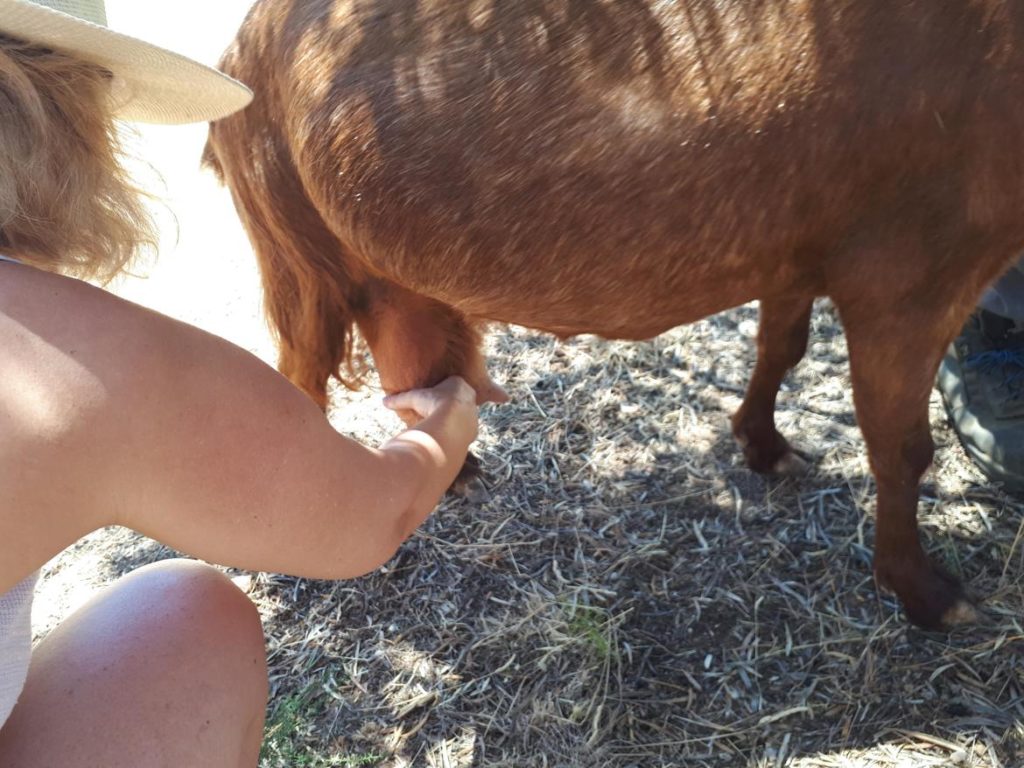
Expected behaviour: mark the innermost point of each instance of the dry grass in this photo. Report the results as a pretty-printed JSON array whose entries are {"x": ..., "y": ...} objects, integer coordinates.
[{"x": 625, "y": 593}]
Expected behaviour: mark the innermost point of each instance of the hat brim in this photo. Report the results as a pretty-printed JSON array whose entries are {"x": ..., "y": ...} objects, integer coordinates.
[{"x": 152, "y": 84}]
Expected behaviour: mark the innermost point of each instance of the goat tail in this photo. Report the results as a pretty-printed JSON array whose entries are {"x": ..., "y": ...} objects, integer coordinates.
[{"x": 312, "y": 288}]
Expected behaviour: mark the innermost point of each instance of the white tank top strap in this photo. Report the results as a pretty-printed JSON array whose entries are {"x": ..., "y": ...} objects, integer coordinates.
[
  {"x": 9, "y": 259},
  {"x": 15, "y": 643}
]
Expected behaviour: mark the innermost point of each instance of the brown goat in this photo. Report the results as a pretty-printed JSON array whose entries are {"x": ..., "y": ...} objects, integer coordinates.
[{"x": 620, "y": 167}]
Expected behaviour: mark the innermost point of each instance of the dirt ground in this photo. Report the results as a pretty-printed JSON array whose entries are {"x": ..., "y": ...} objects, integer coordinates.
[{"x": 621, "y": 591}]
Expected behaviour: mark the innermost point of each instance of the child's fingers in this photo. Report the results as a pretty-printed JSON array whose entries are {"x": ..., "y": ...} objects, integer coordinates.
[{"x": 413, "y": 400}]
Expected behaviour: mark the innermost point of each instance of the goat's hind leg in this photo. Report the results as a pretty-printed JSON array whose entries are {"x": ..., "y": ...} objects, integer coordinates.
[
  {"x": 895, "y": 349},
  {"x": 781, "y": 342}
]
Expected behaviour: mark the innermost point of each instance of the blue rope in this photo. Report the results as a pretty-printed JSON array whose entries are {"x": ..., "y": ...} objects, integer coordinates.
[
  {"x": 994, "y": 358},
  {"x": 1009, "y": 361}
]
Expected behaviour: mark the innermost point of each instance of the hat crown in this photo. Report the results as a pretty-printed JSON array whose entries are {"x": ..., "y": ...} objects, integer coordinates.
[{"x": 88, "y": 10}]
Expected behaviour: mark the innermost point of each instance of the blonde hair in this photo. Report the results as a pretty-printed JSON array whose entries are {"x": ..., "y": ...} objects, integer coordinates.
[{"x": 66, "y": 202}]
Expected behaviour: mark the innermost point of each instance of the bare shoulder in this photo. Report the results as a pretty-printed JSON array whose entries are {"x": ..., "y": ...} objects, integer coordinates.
[
  {"x": 59, "y": 337},
  {"x": 61, "y": 372},
  {"x": 107, "y": 406},
  {"x": 73, "y": 343},
  {"x": 69, "y": 347}
]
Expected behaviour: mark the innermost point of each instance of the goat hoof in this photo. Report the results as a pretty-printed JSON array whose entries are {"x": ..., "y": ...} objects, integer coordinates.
[
  {"x": 962, "y": 613},
  {"x": 931, "y": 598},
  {"x": 770, "y": 454},
  {"x": 469, "y": 480},
  {"x": 791, "y": 464},
  {"x": 475, "y": 492}
]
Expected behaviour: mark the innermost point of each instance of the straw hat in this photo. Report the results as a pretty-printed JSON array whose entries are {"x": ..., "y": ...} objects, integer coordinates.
[{"x": 150, "y": 84}]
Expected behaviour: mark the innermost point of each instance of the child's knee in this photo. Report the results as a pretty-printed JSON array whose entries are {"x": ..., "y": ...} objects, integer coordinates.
[{"x": 195, "y": 610}]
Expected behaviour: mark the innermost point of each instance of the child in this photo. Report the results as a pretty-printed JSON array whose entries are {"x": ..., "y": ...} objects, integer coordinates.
[{"x": 112, "y": 414}]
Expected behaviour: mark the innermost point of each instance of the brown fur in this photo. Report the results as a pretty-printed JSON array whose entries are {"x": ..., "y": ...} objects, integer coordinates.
[
  {"x": 624, "y": 167},
  {"x": 66, "y": 202}
]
